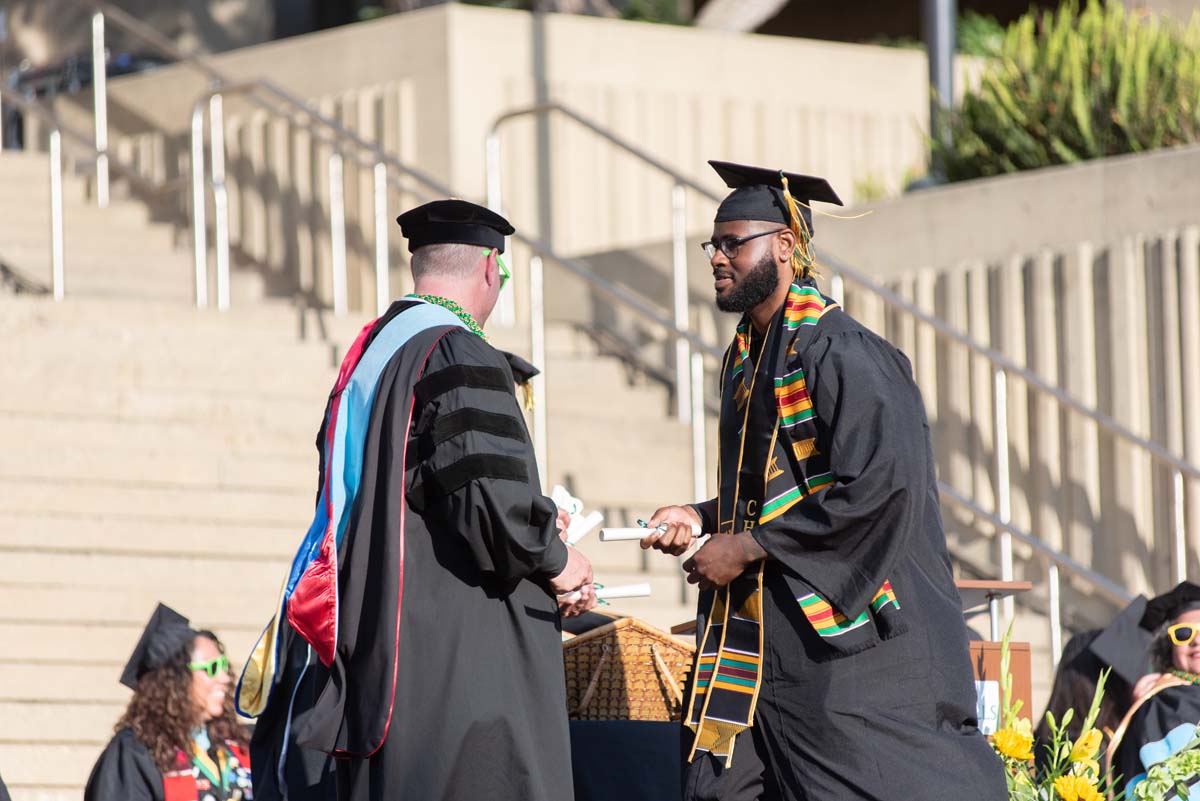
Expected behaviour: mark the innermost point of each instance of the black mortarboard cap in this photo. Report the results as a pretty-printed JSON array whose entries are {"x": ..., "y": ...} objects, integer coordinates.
[
  {"x": 758, "y": 194},
  {"x": 453, "y": 222},
  {"x": 1162, "y": 608},
  {"x": 1123, "y": 644},
  {"x": 166, "y": 634}
]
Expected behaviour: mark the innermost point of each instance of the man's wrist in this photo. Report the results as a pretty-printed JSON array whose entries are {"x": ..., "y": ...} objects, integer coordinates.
[{"x": 752, "y": 551}]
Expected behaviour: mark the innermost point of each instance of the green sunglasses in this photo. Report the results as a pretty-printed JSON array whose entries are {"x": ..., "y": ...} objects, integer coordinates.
[
  {"x": 213, "y": 667},
  {"x": 504, "y": 273}
]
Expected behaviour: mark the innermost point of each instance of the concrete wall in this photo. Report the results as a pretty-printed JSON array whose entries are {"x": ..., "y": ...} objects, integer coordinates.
[
  {"x": 1087, "y": 275},
  {"x": 428, "y": 84}
]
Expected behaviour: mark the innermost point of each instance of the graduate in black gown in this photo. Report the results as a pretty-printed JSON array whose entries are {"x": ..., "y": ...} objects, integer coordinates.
[
  {"x": 179, "y": 739},
  {"x": 1164, "y": 719},
  {"x": 832, "y": 650},
  {"x": 427, "y": 586}
]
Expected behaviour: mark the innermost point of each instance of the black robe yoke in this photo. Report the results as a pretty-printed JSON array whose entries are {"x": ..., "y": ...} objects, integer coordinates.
[
  {"x": 125, "y": 772},
  {"x": 1161, "y": 727},
  {"x": 895, "y": 716},
  {"x": 479, "y": 703}
]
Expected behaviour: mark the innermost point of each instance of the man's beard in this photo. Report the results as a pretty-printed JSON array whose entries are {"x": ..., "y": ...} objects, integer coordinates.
[{"x": 753, "y": 289}]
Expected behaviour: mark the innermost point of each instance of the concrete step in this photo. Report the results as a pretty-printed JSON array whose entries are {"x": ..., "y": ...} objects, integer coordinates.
[
  {"x": 43, "y": 771},
  {"x": 286, "y": 509},
  {"x": 46, "y": 722},
  {"x": 50, "y": 533},
  {"x": 53, "y": 604},
  {"x": 256, "y": 578}
]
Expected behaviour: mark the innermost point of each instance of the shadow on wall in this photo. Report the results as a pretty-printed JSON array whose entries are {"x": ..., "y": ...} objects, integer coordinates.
[{"x": 46, "y": 32}]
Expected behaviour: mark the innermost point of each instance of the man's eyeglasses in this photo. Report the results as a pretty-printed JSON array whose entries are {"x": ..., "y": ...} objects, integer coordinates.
[
  {"x": 504, "y": 273},
  {"x": 1182, "y": 633},
  {"x": 730, "y": 245},
  {"x": 213, "y": 667}
]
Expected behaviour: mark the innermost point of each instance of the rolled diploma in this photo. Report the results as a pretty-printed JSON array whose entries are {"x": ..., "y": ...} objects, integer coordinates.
[
  {"x": 580, "y": 526},
  {"x": 608, "y": 593},
  {"x": 623, "y": 534}
]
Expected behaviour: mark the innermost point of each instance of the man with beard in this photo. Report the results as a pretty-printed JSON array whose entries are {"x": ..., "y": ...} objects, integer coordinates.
[
  {"x": 418, "y": 638},
  {"x": 831, "y": 644}
]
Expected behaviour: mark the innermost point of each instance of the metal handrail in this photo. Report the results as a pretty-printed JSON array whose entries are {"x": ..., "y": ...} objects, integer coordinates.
[
  {"x": 1002, "y": 366},
  {"x": 59, "y": 132},
  {"x": 1055, "y": 561}
]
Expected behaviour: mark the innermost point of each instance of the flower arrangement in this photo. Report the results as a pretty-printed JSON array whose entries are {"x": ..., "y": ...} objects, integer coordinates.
[
  {"x": 1170, "y": 778},
  {"x": 1072, "y": 771}
]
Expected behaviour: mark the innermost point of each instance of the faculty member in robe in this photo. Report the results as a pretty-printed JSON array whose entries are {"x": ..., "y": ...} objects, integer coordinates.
[
  {"x": 832, "y": 660},
  {"x": 425, "y": 592}
]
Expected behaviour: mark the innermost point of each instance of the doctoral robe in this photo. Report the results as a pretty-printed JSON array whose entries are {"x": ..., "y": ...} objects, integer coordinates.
[{"x": 446, "y": 682}]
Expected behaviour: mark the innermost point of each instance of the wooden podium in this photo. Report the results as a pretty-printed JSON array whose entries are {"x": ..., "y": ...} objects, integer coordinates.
[{"x": 985, "y": 655}]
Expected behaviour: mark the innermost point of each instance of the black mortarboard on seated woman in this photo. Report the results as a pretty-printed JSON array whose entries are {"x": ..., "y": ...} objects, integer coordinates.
[
  {"x": 179, "y": 738},
  {"x": 1165, "y": 717}
]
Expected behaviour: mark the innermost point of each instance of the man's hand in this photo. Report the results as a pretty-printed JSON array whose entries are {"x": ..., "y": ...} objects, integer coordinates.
[
  {"x": 563, "y": 521},
  {"x": 722, "y": 559},
  {"x": 577, "y": 575},
  {"x": 677, "y": 537}
]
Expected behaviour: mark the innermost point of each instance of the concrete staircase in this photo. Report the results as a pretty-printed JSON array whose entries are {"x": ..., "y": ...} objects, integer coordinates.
[{"x": 160, "y": 453}]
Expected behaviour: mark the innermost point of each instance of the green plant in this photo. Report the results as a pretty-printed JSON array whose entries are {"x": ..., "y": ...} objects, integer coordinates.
[
  {"x": 1067, "y": 86},
  {"x": 979, "y": 34}
]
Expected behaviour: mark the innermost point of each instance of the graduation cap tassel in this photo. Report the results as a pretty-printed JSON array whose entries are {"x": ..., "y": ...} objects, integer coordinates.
[
  {"x": 803, "y": 264},
  {"x": 527, "y": 396}
]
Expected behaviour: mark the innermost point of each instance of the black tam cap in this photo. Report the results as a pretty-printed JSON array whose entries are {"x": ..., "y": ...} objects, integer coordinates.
[
  {"x": 758, "y": 194},
  {"x": 453, "y": 222},
  {"x": 1165, "y": 607},
  {"x": 166, "y": 634},
  {"x": 1123, "y": 644}
]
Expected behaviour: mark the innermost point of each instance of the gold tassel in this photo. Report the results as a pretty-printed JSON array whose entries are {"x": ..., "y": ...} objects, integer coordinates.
[
  {"x": 527, "y": 396},
  {"x": 803, "y": 264}
]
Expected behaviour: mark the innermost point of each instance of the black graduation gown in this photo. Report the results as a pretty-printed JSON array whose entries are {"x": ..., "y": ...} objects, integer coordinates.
[
  {"x": 1160, "y": 716},
  {"x": 125, "y": 771},
  {"x": 895, "y": 716},
  {"x": 471, "y": 703}
]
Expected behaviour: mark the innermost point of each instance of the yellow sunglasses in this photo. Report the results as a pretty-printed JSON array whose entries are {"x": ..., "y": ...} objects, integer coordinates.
[{"x": 1182, "y": 633}]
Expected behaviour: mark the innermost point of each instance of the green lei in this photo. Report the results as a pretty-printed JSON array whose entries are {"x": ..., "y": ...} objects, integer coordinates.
[
  {"x": 1190, "y": 678},
  {"x": 459, "y": 311}
]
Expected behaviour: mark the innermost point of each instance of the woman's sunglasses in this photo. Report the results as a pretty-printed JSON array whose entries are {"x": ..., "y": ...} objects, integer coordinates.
[
  {"x": 213, "y": 667},
  {"x": 1182, "y": 633}
]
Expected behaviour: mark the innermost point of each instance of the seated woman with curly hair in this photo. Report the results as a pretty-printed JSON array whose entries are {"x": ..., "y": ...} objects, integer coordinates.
[{"x": 179, "y": 739}]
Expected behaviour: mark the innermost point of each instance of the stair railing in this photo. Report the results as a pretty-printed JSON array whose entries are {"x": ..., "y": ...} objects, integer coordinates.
[
  {"x": 1003, "y": 368},
  {"x": 57, "y": 133}
]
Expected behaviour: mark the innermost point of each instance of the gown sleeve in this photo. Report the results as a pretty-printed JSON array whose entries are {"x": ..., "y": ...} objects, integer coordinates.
[
  {"x": 845, "y": 539},
  {"x": 124, "y": 772},
  {"x": 476, "y": 474}
]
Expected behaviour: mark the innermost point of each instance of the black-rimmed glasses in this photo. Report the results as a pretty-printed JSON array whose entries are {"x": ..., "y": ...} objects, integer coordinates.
[{"x": 730, "y": 245}]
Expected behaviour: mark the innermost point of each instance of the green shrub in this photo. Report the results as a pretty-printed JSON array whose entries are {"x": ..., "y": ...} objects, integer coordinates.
[{"x": 1070, "y": 86}]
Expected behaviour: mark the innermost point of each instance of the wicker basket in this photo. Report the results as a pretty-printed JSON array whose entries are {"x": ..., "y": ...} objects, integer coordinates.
[{"x": 626, "y": 670}]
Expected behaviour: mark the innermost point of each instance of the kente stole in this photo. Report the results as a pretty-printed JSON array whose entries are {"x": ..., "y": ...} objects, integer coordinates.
[{"x": 775, "y": 463}]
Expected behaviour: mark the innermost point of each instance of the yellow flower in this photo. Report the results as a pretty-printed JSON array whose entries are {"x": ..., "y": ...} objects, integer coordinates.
[
  {"x": 1076, "y": 788},
  {"x": 1088, "y": 768},
  {"x": 1086, "y": 746},
  {"x": 1014, "y": 743}
]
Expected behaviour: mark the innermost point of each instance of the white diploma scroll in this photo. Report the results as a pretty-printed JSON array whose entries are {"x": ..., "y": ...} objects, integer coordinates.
[
  {"x": 609, "y": 593},
  {"x": 624, "y": 534}
]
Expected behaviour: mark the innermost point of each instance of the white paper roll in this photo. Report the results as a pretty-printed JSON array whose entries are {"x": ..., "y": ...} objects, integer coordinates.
[
  {"x": 608, "y": 593},
  {"x": 625, "y": 534},
  {"x": 581, "y": 526}
]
